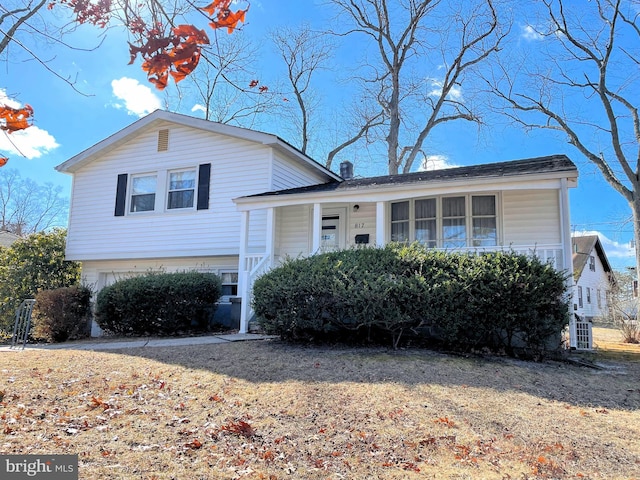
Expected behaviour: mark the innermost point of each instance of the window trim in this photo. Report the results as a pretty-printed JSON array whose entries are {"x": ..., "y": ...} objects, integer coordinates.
[{"x": 469, "y": 239}]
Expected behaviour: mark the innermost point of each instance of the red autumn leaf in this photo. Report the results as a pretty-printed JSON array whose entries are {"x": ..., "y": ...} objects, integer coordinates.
[
  {"x": 15, "y": 118},
  {"x": 253, "y": 83},
  {"x": 263, "y": 89},
  {"x": 194, "y": 445},
  {"x": 3, "y": 162},
  {"x": 239, "y": 428},
  {"x": 177, "y": 54},
  {"x": 221, "y": 15}
]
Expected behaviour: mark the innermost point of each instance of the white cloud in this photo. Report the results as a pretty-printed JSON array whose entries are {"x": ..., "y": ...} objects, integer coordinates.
[
  {"x": 138, "y": 99},
  {"x": 530, "y": 33},
  {"x": 436, "y": 90},
  {"x": 32, "y": 142},
  {"x": 619, "y": 254},
  {"x": 435, "y": 162},
  {"x": 198, "y": 108}
]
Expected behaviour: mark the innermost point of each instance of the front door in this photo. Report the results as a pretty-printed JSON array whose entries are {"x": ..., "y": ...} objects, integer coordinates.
[{"x": 332, "y": 235}]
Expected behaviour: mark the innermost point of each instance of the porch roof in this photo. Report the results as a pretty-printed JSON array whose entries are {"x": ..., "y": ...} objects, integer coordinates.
[{"x": 557, "y": 166}]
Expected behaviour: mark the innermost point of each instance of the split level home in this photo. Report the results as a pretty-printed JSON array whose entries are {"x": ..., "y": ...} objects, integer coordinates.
[
  {"x": 593, "y": 279},
  {"x": 171, "y": 192}
]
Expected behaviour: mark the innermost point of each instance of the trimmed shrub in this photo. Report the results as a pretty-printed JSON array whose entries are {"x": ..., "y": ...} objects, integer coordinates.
[
  {"x": 165, "y": 303},
  {"x": 62, "y": 314},
  {"x": 502, "y": 301}
]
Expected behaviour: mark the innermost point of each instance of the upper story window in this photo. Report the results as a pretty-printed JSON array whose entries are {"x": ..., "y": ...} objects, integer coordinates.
[
  {"x": 143, "y": 193},
  {"x": 446, "y": 222},
  {"x": 181, "y": 191},
  {"x": 592, "y": 263},
  {"x": 186, "y": 189}
]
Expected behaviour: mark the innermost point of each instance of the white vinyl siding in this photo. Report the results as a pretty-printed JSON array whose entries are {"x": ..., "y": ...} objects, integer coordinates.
[
  {"x": 237, "y": 168},
  {"x": 287, "y": 174},
  {"x": 531, "y": 217},
  {"x": 293, "y": 226}
]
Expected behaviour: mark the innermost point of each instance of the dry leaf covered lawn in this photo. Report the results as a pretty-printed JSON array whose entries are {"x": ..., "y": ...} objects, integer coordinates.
[{"x": 266, "y": 410}]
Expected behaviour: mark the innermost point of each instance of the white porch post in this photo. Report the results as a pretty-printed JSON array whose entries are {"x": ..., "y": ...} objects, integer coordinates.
[
  {"x": 565, "y": 230},
  {"x": 381, "y": 222},
  {"x": 271, "y": 233},
  {"x": 243, "y": 273},
  {"x": 317, "y": 228}
]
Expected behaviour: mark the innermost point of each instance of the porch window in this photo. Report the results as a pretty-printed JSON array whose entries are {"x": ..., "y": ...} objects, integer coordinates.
[
  {"x": 484, "y": 229},
  {"x": 400, "y": 222},
  {"x": 454, "y": 229},
  {"x": 182, "y": 187},
  {"x": 426, "y": 225},
  {"x": 446, "y": 222},
  {"x": 143, "y": 193}
]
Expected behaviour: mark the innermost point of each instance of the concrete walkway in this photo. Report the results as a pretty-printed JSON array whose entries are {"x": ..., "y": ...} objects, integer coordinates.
[{"x": 106, "y": 344}]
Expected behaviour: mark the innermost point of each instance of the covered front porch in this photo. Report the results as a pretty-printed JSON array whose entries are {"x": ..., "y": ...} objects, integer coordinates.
[
  {"x": 293, "y": 231},
  {"x": 520, "y": 206}
]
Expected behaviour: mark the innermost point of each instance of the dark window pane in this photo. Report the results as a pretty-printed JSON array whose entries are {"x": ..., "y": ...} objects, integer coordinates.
[
  {"x": 400, "y": 232},
  {"x": 143, "y": 203},
  {"x": 483, "y": 205},
  {"x": 399, "y": 211},
  {"x": 426, "y": 208},
  {"x": 453, "y": 207},
  {"x": 180, "y": 199}
]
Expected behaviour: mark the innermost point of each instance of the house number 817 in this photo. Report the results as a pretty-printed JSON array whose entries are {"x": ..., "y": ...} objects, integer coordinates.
[{"x": 359, "y": 225}]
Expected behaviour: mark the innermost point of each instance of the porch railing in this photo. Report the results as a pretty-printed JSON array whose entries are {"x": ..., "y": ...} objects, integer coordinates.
[{"x": 254, "y": 266}]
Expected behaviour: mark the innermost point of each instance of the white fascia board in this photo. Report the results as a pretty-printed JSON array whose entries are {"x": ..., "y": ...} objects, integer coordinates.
[{"x": 387, "y": 193}]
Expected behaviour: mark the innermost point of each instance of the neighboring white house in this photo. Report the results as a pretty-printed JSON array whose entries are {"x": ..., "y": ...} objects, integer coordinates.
[
  {"x": 593, "y": 278},
  {"x": 174, "y": 192}
]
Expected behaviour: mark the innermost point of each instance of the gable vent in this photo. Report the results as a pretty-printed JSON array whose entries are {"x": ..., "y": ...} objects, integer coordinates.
[{"x": 163, "y": 140}]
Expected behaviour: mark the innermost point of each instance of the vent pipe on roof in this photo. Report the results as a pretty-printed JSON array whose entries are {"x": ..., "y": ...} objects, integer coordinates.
[{"x": 346, "y": 170}]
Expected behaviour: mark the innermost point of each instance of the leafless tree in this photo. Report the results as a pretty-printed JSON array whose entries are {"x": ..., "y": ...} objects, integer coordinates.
[
  {"x": 304, "y": 52},
  {"x": 27, "y": 207},
  {"x": 225, "y": 86},
  {"x": 419, "y": 56},
  {"x": 581, "y": 80}
]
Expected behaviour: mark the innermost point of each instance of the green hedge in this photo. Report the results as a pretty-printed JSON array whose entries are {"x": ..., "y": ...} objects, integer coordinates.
[
  {"x": 62, "y": 314},
  {"x": 166, "y": 303},
  {"x": 498, "y": 300}
]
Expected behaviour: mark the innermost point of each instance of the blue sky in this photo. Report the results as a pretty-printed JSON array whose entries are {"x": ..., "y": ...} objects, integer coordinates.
[{"x": 108, "y": 95}]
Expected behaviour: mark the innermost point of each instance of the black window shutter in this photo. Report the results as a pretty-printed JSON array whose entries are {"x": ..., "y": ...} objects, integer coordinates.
[
  {"x": 121, "y": 195},
  {"x": 204, "y": 175}
]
